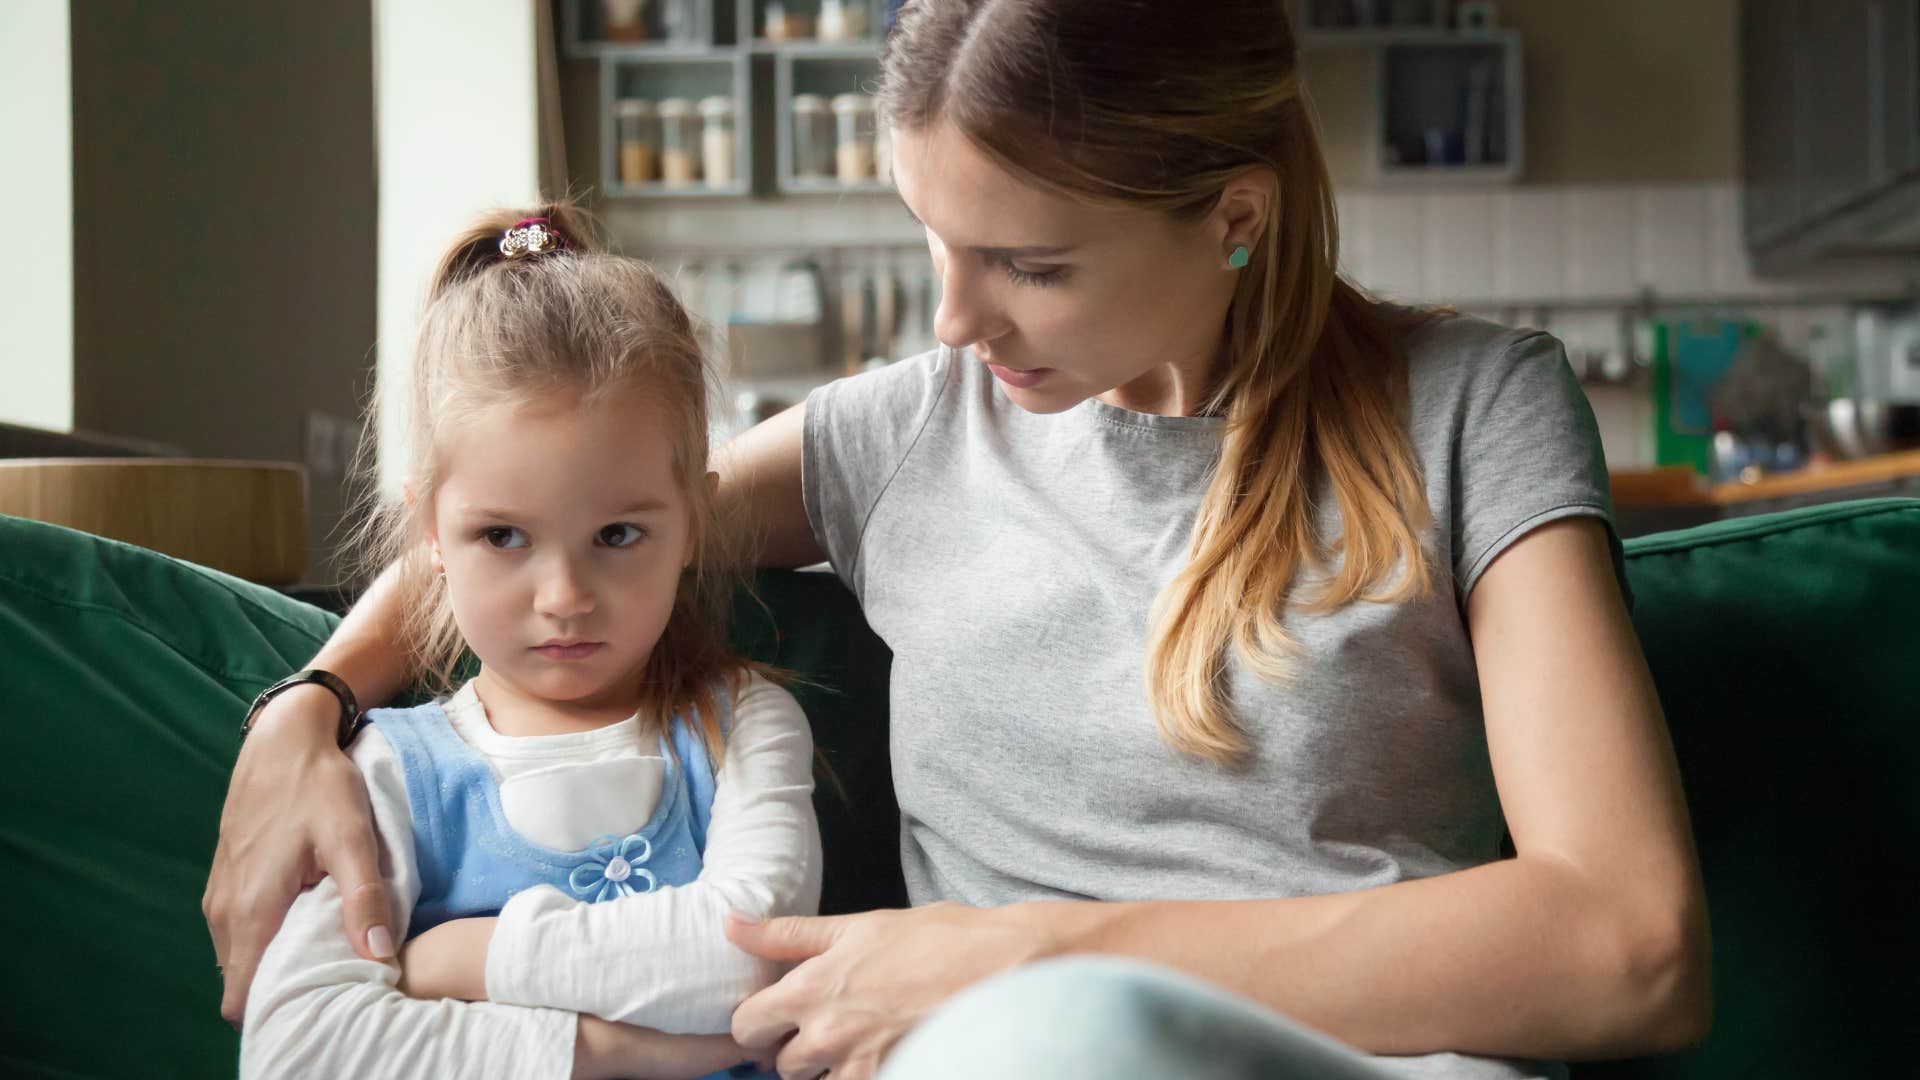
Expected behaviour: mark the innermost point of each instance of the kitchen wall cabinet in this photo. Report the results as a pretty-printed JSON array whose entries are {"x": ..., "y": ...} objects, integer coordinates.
[{"x": 1831, "y": 131}]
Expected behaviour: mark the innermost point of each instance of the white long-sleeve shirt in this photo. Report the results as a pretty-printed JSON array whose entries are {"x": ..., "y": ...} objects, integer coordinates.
[{"x": 657, "y": 959}]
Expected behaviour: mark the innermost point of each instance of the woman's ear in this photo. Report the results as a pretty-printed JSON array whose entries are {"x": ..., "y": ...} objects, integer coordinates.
[{"x": 1246, "y": 204}]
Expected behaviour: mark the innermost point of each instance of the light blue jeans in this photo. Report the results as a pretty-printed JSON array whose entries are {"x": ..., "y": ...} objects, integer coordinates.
[{"x": 1083, "y": 1018}]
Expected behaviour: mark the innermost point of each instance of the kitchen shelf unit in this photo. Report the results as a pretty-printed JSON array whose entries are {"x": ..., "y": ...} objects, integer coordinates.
[
  {"x": 726, "y": 53},
  {"x": 1423, "y": 68},
  {"x": 690, "y": 74}
]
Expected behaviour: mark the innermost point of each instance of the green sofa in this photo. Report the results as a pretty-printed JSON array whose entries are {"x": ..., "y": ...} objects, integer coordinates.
[{"x": 1787, "y": 650}]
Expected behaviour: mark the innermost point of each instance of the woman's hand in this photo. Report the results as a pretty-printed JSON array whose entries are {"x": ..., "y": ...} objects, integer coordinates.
[
  {"x": 296, "y": 811},
  {"x": 448, "y": 961},
  {"x": 866, "y": 980},
  {"x": 603, "y": 1050}
]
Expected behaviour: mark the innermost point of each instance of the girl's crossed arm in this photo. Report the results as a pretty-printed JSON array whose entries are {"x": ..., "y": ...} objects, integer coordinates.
[
  {"x": 319, "y": 1009},
  {"x": 659, "y": 959}
]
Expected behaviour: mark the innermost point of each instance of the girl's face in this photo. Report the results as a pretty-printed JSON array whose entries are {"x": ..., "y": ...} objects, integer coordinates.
[
  {"x": 563, "y": 533},
  {"x": 1066, "y": 301}
]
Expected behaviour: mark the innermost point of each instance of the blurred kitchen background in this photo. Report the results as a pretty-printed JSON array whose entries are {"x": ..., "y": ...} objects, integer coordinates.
[{"x": 224, "y": 212}]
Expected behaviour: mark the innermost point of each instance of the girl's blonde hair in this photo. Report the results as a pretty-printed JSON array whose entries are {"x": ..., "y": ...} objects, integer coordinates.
[
  {"x": 577, "y": 325},
  {"x": 1157, "y": 106}
]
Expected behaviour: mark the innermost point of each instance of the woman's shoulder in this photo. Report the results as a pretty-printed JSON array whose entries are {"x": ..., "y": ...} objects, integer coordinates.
[
  {"x": 1442, "y": 344},
  {"x": 1460, "y": 364},
  {"x": 894, "y": 388}
]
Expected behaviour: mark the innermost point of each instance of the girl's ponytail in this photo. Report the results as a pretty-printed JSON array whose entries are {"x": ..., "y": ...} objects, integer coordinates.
[{"x": 477, "y": 249}]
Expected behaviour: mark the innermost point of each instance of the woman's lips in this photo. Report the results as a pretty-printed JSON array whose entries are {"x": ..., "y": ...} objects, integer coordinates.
[
  {"x": 1024, "y": 380},
  {"x": 579, "y": 650}
]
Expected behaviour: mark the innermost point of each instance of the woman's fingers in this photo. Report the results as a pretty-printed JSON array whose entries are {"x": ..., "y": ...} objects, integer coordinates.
[
  {"x": 296, "y": 808},
  {"x": 243, "y": 912},
  {"x": 351, "y": 856},
  {"x": 766, "y": 1018}
]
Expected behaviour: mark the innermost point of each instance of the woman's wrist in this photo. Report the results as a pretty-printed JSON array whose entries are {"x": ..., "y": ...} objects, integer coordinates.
[
  {"x": 307, "y": 716},
  {"x": 1064, "y": 928}
]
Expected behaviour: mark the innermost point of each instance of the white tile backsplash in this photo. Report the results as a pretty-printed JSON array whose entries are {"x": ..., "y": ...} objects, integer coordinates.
[
  {"x": 1671, "y": 238},
  {"x": 1529, "y": 244},
  {"x": 1456, "y": 252},
  {"x": 1600, "y": 241},
  {"x": 1395, "y": 258}
]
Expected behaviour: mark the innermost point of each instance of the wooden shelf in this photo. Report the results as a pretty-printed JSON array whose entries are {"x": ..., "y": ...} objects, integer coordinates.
[{"x": 1678, "y": 485}]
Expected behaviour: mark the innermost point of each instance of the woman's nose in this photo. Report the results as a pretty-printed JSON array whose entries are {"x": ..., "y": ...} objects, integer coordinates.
[{"x": 967, "y": 314}]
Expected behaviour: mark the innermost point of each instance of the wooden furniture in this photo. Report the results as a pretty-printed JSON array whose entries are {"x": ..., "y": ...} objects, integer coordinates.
[
  {"x": 1674, "y": 496},
  {"x": 247, "y": 518}
]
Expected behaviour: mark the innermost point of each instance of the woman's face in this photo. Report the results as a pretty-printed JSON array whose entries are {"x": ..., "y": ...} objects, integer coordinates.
[{"x": 1062, "y": 300}]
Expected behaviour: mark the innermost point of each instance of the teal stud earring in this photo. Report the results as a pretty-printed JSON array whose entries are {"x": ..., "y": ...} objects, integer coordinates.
[{"x": 1238, "y": 260}]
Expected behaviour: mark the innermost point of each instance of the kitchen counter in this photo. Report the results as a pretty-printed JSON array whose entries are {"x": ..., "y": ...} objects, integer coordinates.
[{"x": 1674, "y": 496}]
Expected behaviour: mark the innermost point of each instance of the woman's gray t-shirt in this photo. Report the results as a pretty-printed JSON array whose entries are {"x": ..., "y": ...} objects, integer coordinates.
[{"x": 1010, "y": 560}]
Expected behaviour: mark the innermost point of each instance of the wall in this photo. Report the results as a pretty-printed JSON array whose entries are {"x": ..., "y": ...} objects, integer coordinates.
[
  {"x": 458, "y": 134},
  {"x": 223, "y": 226},
  {"x": 36, "y": 278},
  {"x": 1625, "y": 92}
]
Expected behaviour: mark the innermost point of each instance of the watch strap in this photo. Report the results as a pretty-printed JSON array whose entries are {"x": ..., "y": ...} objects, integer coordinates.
[{"x": 351, "y": 717}]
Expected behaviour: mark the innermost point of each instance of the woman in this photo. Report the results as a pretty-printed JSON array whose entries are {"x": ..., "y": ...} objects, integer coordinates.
[{"x": 1235, "y": 614}]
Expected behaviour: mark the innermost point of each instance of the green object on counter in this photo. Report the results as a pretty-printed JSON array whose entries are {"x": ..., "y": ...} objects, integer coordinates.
[
  {"x": 1689, "y": 356},
  {"x": 1783, "y": 647}
]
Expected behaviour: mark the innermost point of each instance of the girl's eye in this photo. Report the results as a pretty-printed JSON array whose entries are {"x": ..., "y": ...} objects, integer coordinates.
[
  {"x": 504, "y": 537},
  {"x": 622, "y": 535},
  {"x": 1032, "y": 277}
]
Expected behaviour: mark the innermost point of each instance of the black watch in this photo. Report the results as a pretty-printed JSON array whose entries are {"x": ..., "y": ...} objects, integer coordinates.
[{"x": 351, "y": 718}]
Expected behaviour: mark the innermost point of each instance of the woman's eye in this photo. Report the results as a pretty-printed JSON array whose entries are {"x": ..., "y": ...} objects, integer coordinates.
[
  {"x": 1020, "y": 276},
  {"x": 504, "y": 537},
  {"x": 622, "y": 535}
]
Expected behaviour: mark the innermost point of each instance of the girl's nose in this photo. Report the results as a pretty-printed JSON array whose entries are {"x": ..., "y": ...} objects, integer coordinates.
[{"x": 564, "y": 592}]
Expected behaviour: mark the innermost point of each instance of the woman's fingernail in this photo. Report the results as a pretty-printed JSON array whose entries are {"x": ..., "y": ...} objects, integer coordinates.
[
  {"x": 744, "y": 920},
  {"x": 380, "y": 943}
]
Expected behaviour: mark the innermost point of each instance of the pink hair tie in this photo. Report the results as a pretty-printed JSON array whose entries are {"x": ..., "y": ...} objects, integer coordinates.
[{"x": 531, "y": 236}]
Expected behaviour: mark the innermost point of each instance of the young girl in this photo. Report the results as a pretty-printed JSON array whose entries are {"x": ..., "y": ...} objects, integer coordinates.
[{"x": 612, "y": 772}]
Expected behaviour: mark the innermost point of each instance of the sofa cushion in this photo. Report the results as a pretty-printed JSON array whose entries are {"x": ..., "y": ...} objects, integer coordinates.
[
  {"x": 1787, "y": 652},
  {"x": 1784, "y": 648},
  {"x": 126, "y": 674}
]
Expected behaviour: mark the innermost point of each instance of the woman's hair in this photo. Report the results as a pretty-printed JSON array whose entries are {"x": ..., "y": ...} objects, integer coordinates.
[
  {"x": 1157, "y": 105},
  {"x": 577, "y": 326}
]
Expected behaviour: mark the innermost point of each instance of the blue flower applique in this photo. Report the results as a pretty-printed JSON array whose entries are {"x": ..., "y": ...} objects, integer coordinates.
[{"x": 613, "y": 869}]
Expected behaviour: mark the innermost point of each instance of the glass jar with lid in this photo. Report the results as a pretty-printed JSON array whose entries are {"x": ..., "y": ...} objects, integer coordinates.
[
  {"x": 625, "y": 20},
  {"x": 679, "y": 142},
  {"x": 853, "y": 160},
  {"x": 789, "y": 20},
  {"x": 882, "y": 151},
  {"x": 813, "y": 138},
  {"x": 843, "y": 20},
  {"x": 717, "y": 142},
  {"x": 638, "y": 126}
]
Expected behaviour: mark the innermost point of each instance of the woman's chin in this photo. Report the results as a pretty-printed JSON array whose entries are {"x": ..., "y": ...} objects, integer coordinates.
[{"x": 1044, "y": 400}]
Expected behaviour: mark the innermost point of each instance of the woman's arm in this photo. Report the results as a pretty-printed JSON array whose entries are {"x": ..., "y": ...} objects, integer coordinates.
[
  {"x": 760, "y": 492},
  {"x": 1592, "y": 942},
  {"x": 296, "y": 809},
  {"x": 662, "y": 959}
]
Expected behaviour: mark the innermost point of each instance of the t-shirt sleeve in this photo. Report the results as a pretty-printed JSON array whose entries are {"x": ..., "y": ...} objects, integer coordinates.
[
  {"x": 1528, "y": 452},
  {"x": 859, "y": 431}
]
